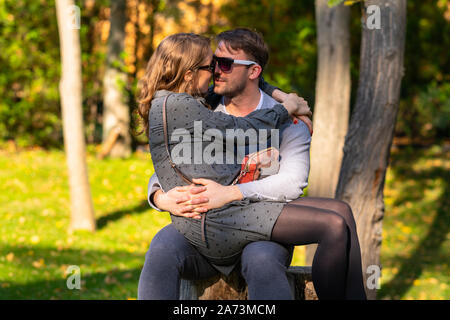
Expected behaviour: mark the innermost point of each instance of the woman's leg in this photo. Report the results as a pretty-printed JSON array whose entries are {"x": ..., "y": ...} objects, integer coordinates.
[
  {"x": 300, "y": 225},
  {"x": 169, "y": 258},
  {"x": 355, "y": 282}
]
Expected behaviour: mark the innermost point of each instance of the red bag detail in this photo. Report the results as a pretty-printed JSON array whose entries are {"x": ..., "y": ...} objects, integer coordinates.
[
  {"x": 252, "y": 164},
  {"x": 251, "y": 175}
]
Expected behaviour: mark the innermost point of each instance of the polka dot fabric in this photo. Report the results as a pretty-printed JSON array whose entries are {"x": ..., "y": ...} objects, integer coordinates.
[{"x": 227, "y": 229}]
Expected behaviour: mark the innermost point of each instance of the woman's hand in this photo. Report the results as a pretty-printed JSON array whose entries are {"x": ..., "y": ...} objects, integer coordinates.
[
  {"x": 281, "y": 96},
  {"x": 298, "y": 109},
  {"x": 296, "y": 106},
  {"x": 180, "y": 202}
]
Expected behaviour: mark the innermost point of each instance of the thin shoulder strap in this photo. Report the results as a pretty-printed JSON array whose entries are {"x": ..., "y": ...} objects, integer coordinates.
[
  {"x": 203, "y": 215},
  {"x": 173, "y": 165}
]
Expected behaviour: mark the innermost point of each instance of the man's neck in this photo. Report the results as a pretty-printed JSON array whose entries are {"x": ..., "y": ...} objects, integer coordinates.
[{"x": 244, "y": 103}]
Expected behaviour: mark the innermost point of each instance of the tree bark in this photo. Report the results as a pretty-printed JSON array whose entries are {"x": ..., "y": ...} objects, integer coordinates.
[
  {"x": 332, "y": 105},
  {"x": 369, "y": 138},
  {"x": 233, "y": 286},
  {"x": 70, "y": 87},
  {"x": 115, "y": 106}
]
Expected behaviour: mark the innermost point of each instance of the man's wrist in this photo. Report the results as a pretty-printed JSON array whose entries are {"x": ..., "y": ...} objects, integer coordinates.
[
  {"x": 235, "y": 193},
  {"x": 156, "y": 197}
]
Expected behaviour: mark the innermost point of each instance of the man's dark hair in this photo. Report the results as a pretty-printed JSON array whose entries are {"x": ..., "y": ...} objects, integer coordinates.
[{"x": 251, "y": 42}]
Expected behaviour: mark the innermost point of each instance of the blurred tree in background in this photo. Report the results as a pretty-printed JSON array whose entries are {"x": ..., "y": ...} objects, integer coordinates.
[
  {"x": 30, "y": 69},
  {"x": 425, "y": 105},
  {"x": 29, "y": 110}
]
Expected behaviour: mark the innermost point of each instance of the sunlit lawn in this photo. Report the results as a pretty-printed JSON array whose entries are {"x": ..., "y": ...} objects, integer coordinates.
[
  {"x": 36, "y": 249},
  {"x": 415, "y": 251}
]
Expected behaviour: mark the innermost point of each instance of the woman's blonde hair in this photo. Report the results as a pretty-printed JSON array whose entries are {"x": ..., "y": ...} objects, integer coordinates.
[{"x": 174, "y": 56}]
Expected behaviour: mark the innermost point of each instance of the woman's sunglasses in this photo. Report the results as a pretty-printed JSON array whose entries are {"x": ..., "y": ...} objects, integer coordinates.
[
  {"x": 209, "y": 67},
  {"x": 225, "y": 64}
]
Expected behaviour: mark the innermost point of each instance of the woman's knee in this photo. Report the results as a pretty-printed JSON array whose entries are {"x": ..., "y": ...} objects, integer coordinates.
[
  {"x": 344, "y": 210},
  {"x": 343, "y": 207},
  {"x": 337, "y": 227}
]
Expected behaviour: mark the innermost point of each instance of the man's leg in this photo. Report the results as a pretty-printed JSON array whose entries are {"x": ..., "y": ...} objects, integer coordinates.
[
  {"x": 264, "y": 265},
  {"x": 169, "y": 258}
]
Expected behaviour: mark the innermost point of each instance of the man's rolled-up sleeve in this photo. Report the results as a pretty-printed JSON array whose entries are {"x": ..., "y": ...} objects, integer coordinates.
[{"x": 153, "y": 186}]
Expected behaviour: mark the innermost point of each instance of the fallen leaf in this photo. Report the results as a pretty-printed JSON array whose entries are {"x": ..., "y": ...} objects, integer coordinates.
[
  {"x": 38, "y": 263},
  {"x": 35, "y": 239},
  {"x": 110, "y": 280},
  {"x": 10, "y": 257}
]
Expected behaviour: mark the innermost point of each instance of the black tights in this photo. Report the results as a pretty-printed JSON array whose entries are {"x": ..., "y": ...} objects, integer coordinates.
[{"x": 336, "y": 268}]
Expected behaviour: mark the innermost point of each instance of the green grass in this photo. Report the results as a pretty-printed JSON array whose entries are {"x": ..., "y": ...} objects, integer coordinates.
[
  {"x": 415, "y": 252},
  {"x": 36, "y": 249}
]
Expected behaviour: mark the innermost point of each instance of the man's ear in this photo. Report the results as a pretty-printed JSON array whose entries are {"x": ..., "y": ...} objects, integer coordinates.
[
  {"x": 255, "y": 71},
  {"x": 188, "y": 76}
]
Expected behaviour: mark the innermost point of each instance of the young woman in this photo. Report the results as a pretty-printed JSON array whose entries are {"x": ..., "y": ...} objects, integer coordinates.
[{"x": 177, "y": 76}]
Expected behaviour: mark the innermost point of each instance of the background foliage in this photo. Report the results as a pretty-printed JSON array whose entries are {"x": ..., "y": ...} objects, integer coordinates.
[{"x": 30, "y": 68}]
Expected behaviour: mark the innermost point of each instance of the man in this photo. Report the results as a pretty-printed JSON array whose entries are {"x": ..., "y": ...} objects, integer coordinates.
[{"x": 263, "y": 263}]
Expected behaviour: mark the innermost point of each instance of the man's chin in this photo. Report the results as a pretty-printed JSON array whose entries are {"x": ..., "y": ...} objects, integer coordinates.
[{"x": 221, "y": 89}]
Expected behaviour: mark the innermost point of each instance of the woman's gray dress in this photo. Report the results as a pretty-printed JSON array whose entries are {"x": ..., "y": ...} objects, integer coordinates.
[{"x": 228, "y": 229}]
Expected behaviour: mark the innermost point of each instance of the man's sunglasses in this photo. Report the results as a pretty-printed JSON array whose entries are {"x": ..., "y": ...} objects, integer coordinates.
[{"x": 225, "y": 64}]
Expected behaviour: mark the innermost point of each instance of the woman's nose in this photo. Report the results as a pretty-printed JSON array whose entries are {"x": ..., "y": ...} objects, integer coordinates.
[{"x": 216, "y": 68}]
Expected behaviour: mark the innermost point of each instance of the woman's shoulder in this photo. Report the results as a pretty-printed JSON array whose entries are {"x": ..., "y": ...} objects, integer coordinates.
[
  {"x": 173, "y": 97},
  {"x": 186, "y": 102}
]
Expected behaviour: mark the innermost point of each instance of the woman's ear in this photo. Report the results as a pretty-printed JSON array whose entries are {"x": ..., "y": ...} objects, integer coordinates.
[
  {"x": 255, "y": 71},
  {"x": 188, "y": 76}
]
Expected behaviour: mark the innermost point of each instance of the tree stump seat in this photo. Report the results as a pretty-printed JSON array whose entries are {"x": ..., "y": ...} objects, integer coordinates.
[{"x": 233, "y": 287}]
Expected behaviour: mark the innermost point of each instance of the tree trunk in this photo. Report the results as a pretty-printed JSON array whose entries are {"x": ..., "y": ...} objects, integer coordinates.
[
  {"x": 233, "y": 286},
  {"x": 332, "y": 105},
  {"x": 115, "y": 107},
  {"x": 82, "y": 213},
  {"x": 368, "y": 142}
]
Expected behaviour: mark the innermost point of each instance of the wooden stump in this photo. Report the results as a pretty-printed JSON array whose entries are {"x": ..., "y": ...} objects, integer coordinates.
[{"x": 233, "y": 287}]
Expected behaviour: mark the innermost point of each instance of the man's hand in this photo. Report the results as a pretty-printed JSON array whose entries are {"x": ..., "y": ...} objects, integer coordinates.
[
  {"x": 217, "y": 194},
  {"x": 190, "y": 201},
  {"x": 180, "y": 202}
]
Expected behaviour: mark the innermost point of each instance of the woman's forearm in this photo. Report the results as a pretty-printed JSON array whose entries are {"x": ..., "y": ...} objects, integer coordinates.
[{"x": 279, "y": 95}]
